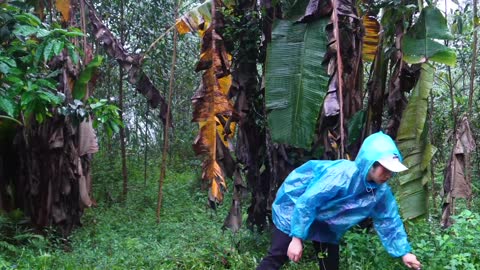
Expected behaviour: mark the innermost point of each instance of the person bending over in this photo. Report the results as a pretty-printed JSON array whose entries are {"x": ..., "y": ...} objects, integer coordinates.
[{"x": 320, "y": 200}]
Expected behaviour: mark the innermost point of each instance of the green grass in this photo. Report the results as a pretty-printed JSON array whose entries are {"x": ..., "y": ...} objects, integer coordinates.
[
  {"x": 118, "y": 235},
  {"x": 127, "y": 236}
]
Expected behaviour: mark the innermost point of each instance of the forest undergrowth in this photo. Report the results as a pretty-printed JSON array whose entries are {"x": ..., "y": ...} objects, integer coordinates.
[{"x": 125, "y": 235}]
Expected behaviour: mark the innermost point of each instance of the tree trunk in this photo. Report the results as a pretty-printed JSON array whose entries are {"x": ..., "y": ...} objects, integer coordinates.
[
  {"x": 145, "y": 147},
  {"x": 121, "y": 107},
  {"x": 122, "y": 137},
  {"x": 167, "y": 122}
]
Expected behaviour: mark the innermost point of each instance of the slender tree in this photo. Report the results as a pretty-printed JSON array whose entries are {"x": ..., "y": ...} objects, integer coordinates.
[{"x": 163, "y": 165}]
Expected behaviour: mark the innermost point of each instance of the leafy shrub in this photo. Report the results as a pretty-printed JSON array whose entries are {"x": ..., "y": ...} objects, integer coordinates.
[{"x": 452, "y": 248}]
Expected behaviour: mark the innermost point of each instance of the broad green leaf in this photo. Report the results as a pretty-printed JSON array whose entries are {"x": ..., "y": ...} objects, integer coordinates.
[
  {"x": 8, "y": 61},
  {"x": 7, "y": 106},
  {"x": 4, "y": 68},
  {"x": 413, "y": 201},
  {"x": 114, "y": 126},
  {"x": 97, "y": 105},
  {"x": 420, "y": 50},
  {"x": 430, "y": 24},
  {"x": 47, "y": 52},
  {"x": 430, "y": 150},
  {"x": 414, "y": 116},
  {"x": 447, "y": 57},
  {"x": 80, "y": 88},
  {"x": 14, "y": 80},
  {"x": 296, "y": 81},
  {"x": 47, "y": 84},
  {"x": 28, "y": 18},
  {"x": 59, "y": 31},
  {"x": 49, "y": 97},
  {"x": 39, "y": 53},
  {"x": 25, "y": 30},
  {"x": 41, "y": 33},
  {"x": 39, "y": 117},
  {"x": 27, "y": 98},
  {"x": 73, "y": 54},
  {"x": 74, "y": 34},
  {"x": 75, "y": 30},
  {"x": 419, "y": 43},
  {"x": 355, "y": 126},
  {"x": 417, "y": 151},
  {"x": 58, "y": 47}
]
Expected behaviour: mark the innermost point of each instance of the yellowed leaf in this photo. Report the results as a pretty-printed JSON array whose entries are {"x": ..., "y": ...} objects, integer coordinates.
[
  {"x": 212, "y": 108},
  {"x": 196, "y": 20},
  {"x": 221, "y": 131},
  {"x": 63, "y": 6},
  {"x": 182, "y": 27},
  {"x": 225, "y": 83},
  {"x": 371, "y": 38}
]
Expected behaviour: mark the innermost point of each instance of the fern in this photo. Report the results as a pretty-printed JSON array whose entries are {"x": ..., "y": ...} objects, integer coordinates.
[{"x": 5, "y": 246}]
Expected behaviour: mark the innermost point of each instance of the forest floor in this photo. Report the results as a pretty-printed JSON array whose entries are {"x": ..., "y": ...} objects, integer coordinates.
[{"x": 125, "y": 235}]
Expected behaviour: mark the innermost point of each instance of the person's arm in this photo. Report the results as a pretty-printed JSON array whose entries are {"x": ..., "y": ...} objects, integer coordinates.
[
  {"x": 389, "y": 226},
  {"x": 295, "y": 249}
]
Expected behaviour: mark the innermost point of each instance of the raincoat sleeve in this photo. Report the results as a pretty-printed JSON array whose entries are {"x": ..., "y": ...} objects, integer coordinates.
[
  {"x": 389, "y": 226},
  {"x": 324, "y": 186}
]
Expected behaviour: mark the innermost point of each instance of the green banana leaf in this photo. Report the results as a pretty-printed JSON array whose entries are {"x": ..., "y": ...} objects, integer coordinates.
[
  {"x": 413, "y": 144},
  {"x": 419, "y": 44},
  {"x": 80, "y": 88},
  {"x": 296, "y": 82},
  {"x": 355, "y": 126}
]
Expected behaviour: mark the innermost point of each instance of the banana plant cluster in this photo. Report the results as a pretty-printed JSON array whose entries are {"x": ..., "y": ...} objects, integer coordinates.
[
  {"x": 389, "y": 40},
  {"x": 314, "y": 78},
  {"x": 45, "y": 87}
]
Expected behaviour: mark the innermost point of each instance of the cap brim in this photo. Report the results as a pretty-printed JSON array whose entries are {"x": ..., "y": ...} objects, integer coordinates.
[{"x": 392, "y": 163}]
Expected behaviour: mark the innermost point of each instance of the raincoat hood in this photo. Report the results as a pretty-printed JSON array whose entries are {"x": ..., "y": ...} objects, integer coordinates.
[
  {"x": 322, "y": 199},
  {"x": 374, "y": 148}
]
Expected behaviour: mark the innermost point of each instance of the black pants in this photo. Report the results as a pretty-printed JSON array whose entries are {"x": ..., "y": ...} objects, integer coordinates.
[{"x": 328, "y": 254}]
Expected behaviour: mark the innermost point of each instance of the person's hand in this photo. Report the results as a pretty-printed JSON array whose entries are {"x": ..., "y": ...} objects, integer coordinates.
[
  {"x": 295, "y": 249},
  {"x": 411, "y": 261}
]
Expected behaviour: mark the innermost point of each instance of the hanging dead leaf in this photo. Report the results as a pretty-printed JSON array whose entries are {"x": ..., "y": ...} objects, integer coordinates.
[
  {"x": 456, "y": 184},
  {"x": 212, "y": 109}
]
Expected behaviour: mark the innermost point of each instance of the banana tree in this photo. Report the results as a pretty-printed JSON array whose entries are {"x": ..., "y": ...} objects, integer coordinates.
[
  {"x": 313, "y": 86},
  {"x": 420, "y": 46},
  {"x": 41, "y": 74}
]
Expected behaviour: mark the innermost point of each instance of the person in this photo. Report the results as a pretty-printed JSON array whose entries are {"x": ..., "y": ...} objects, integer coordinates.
[{"x": 322, "y": 199}]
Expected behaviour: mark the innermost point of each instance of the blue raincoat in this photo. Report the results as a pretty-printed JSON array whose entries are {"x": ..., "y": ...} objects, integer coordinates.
[{"x": 322, "y": 199}]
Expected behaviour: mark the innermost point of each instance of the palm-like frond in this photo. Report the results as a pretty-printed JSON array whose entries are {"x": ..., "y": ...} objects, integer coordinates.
[
  {"x": 296, "y": 81},
  {"x": 417, "y": 151}
]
